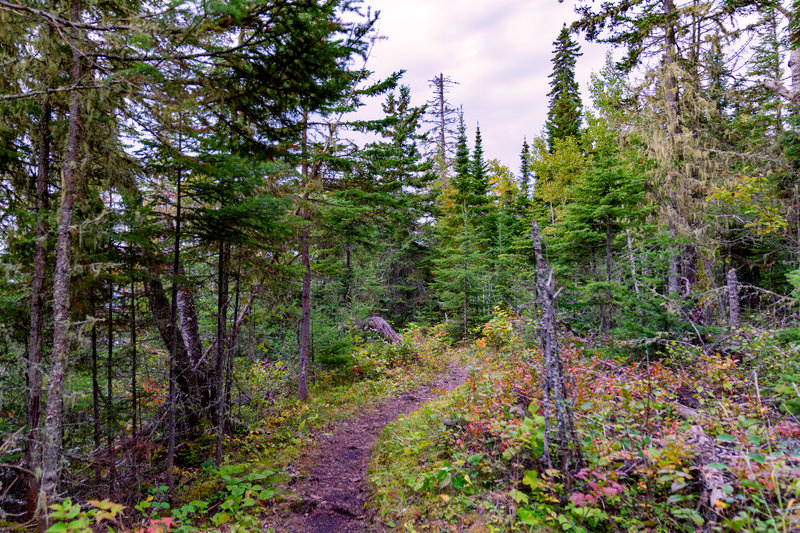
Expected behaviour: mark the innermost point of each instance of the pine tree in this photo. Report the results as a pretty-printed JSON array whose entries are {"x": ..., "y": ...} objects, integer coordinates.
[{"x": 564, "y": 113}]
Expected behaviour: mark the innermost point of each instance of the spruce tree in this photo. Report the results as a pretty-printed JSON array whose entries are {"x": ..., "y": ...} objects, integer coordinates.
[
  {"x": 388, "y": 186},
  {"x": 480, "y": 179},
  {"x": 564, "y": 114},
  {"x": 525, "y": 168},
  {"x": 464, "y": 230},
  {"x": 461, "y": 181},
  {"x": 608, "y": 199}
]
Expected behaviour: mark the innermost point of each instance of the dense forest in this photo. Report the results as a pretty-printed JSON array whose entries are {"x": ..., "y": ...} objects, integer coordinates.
[{"x": 224, "y": 282}]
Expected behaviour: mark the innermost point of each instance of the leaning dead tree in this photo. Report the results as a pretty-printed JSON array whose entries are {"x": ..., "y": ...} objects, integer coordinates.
[
  {"x": 556, "y": 398},
  {"x": 380, "y": 326}
]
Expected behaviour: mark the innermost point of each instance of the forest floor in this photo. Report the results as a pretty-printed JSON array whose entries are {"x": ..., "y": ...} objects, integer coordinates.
[{"x": 331, "y": 494}]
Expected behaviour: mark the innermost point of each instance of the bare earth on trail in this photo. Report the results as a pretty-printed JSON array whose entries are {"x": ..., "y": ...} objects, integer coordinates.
[{"x": 333, "y": 491}]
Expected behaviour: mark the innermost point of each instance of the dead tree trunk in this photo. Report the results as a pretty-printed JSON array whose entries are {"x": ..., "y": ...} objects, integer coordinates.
[
  {"x": 556, "y": 398},
  {"x": 540, "y": 304},
  {"x": 379, "y": 325},
  {"x": 187, "y": 314},
  {"x": 733, "y": 299}
]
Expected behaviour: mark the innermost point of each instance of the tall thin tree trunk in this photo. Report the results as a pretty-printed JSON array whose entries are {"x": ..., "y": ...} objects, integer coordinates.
[
  {"x": 232, "y": 338},
  {"x": 305, "y": 319},
  {"x": 110, "y": 364},
  {"x": 110, "y": 384},
  {"x": 440, "y": 88},
  {"x": 173, "y": 345},
  {"x": 222, "y": 320},
  {"x": 541, "y": 269},
  {"x": 569, "y": 446},
  {"x": 632, "y": 262},
  {"x": 670, "y": 84},
  {"x": 556, "y": 395},
  {"x": 673, "y": 276},
  {"x": 605, "y": 325},
  {"x": 733, "y": 299},
  {"x": 670, "y": 81},
  {"x": 134, "y": 397},
  {"x": 51, "y": 451},
  {"x": 98, "y": 430},
  {"x": 465, "y": 303},
  {"x": 35, "y": 343}
]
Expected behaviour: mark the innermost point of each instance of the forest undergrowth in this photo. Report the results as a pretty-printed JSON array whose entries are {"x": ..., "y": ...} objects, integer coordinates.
[
  {"x": 675, "y": 437},
  {"x": 271, "y": 435}
]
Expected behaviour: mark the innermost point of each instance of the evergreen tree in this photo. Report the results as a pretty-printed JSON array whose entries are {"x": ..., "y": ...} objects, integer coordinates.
[
  {"x": 462, "y": 269},
  {"x": 461, "y": 181},
  {"x": 608, "y": 199},
  {"x": 510, "y": 240},
  {"x": 761, "y": 116},
  {"x": 565, "y": 108},
  {"x": 478, "y": 174},
  {"x": 442, "y": 117},
  {"x": 525, "y": 169},
  {"x": 389, "y": 186}
]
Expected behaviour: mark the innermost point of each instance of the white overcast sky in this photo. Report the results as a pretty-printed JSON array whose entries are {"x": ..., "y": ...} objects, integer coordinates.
[{"x": 499, "y": 51}]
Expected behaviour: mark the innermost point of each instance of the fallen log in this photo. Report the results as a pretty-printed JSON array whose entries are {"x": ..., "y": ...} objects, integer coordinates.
[
  {"x": 712, "y": 478},
  {"x": 380, "y": 326}
]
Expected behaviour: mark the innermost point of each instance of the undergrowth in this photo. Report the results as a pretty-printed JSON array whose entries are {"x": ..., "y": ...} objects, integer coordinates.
[
  {"x": 655, "y": 433},
  {"x": 272, "y": 434}
]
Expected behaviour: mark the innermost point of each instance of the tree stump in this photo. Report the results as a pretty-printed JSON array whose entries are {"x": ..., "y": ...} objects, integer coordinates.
[{"x": 379, "y": 325}]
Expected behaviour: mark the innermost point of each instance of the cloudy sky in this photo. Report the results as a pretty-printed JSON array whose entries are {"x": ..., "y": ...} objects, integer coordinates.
[{"x": 499, "y": 52}]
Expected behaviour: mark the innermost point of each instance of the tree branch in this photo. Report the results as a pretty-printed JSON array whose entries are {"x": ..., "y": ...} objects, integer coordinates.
[
  {"x": 66, "y": 88},
  {"x": 18, "y": 469},
  {"x": 57, "y": 21}
]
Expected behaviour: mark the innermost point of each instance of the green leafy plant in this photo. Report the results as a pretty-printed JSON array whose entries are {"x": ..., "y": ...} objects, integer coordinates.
[{"x": 69, "y": 516}]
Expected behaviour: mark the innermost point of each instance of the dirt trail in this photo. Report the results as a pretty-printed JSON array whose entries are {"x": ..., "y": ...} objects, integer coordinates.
[{"x": 334, "y": 490}]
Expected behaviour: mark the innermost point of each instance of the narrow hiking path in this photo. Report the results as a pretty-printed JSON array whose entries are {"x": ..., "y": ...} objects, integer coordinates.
[{"x": 333, "y": 489}]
